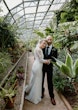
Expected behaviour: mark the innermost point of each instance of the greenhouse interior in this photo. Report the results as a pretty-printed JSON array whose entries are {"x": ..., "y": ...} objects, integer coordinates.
[{"x": 27, "y": 28}]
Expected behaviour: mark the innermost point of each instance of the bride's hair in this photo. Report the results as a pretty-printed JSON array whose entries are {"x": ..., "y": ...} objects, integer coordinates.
[{"x": 40, "y": 41}]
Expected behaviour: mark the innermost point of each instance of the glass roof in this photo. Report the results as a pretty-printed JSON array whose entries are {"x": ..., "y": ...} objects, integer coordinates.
[{"x": 30, "y": 14}]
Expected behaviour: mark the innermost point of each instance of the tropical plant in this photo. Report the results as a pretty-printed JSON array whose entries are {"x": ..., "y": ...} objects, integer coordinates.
[
  {"x": 49, "y": 31},
  {"x": 69, "y": 13},
  {"x": 39, "y": 33},
  {"x": 7, "y": 34},
  {"x": 59, "y": 82},
  {"x": 5, "y": 61},
  {"x": 69, "y": 68},
  {"x": 7, "y": 93}
]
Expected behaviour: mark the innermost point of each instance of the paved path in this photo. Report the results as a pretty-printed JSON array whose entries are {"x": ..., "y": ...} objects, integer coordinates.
[{"x": 45, "y": 104}]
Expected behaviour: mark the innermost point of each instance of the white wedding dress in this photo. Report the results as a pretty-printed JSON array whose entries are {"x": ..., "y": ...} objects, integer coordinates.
[{"x": 34, "y": 89}]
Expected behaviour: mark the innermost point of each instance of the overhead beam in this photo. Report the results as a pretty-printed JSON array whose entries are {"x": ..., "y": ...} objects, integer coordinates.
[
  {"x": 9, "y": 10},
  {"x": 24, "y": 10},
  {"x": 47, "y": 11},
  {"x": 36, "y": 13}
]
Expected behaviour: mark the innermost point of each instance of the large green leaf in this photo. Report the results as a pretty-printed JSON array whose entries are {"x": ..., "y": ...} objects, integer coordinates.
[
  {"x": 76, "y": 71},
  {"x": 75, "y": 67},
  {"x": 65, "y": 69},
  {"x": 69, "y": 61},
  {"x": 58, "y": 63},
  {"x": 76, "y": 63}
]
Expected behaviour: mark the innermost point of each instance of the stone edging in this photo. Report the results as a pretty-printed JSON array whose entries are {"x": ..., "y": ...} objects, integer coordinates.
[
  {"x": 65, "y": 102},
  {"x": 22, "y": 98}
]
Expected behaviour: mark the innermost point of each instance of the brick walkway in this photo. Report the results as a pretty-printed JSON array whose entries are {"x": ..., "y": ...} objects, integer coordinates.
[{"x": 45, "y": 104}]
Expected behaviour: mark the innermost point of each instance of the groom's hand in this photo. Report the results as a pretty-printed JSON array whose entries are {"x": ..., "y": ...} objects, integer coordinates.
[{"x": 48, "y": 62}]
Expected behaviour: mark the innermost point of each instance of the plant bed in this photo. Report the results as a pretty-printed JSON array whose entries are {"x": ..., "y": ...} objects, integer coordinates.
[
  {"x": 68, "y": 93},
  {"x": 72, "y": 98},
  {"x": 18, "y": 83}
]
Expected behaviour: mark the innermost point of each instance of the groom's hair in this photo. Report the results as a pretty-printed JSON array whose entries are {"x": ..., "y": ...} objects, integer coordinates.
[{"x": 49, "y": 36}]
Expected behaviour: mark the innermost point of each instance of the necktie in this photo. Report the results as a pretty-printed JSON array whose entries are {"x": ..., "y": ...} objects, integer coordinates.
[{"x": 47, "y": 51}]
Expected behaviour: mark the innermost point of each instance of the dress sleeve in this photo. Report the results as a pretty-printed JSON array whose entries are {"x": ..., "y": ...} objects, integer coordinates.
[{"x": 40, "y": 56}]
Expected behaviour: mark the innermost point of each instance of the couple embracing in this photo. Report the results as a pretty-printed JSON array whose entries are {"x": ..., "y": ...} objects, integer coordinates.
[{"x": 43, "y": 54}]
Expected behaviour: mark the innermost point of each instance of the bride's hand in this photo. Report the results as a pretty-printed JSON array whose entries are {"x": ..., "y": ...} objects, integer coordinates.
[{"x": 47, "y": 62}]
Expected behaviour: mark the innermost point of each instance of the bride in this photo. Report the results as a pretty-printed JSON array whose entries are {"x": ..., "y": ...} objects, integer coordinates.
[{"x": 34, "y": 89}]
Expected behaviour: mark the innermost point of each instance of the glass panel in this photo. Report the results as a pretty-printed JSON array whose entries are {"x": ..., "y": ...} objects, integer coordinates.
[
  {"x": 30, "y": 4},
  {"x": 16, "y": 10},
  {"x": 50, "y": 13},
  {"x": 30, "y": 10},
  {"x": 13, "y": 3},
  {"x": 9, "y": 17},
  {"x": 30, "y": 15},
  {"x": 62, "y": 1},
  {"x": 56, "y": 1},
  {"x": 31, "y": 23},
  {"x": 42, "y": 8},
  {"x": 37, "y": 22},
  {"x": 39, "y": 18},
  {"x": 44, "y": 2},
  {"x": 21, "y": 13},
  {"x": 55, "y": 7},
  {"x": 12, "y": 21},
  {"x": 31, "y": 19},
  {"x": 40, "y": 14},
  {"x": 4, "y": 9}
]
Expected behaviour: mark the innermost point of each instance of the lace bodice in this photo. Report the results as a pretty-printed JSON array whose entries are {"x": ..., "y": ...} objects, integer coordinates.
[{"x": 38, "y": 54}]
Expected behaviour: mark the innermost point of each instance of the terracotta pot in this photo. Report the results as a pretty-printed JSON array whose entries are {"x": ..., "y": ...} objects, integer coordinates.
[{"x": 9, "y": 104}]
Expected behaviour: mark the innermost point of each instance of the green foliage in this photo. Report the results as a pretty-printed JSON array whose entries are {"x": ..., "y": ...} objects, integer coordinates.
[
  {"x": 70, "y": 13},
  {"x": 5, "y": 61},
  {"x": 66, "y": 35},
  {"x": 20, "y": 69},
  {"x": 75, "y": 108},
  {"x": 49, "y": 31},
  {"x": 59, "y": 82},
  {"x": 74, "y": 47},
  {"x": 68, "y": 68},
  {"x": 7, "y": 34},
  {"x": 7, "y": 93},
  {"x": 39, "y": 33}
]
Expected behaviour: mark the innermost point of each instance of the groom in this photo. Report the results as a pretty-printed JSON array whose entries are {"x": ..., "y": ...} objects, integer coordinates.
[{"x": 49, "y": 52}]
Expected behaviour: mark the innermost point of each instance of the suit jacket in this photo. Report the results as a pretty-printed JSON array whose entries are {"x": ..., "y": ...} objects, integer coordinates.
[{"x": 52, "y": 54}]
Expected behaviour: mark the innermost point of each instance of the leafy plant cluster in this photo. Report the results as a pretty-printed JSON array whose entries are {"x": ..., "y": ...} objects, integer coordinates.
[
  {"x": 15, "y": 77},
  {"x": 9, "y": 88},
  {"x": 7, "y": 34},
  {"x": 59, "y": 82},
  {"x": 69, "y": 13},
  {"x": 67, "y": 73},
  {"x": 5, "y": 61}
]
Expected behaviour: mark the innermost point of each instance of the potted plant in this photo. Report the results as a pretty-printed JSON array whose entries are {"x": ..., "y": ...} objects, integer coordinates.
[
  {"x": 8, "y": 95},
  {"x": 69, "y": 68}
]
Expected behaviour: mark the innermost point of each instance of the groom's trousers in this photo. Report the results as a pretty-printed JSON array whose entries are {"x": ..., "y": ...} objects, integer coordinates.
[{"x": 48, "y": 69}]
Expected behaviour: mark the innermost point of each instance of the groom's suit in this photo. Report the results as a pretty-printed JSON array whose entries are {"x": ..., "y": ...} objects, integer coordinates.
[{"x": 48, "y": 69}]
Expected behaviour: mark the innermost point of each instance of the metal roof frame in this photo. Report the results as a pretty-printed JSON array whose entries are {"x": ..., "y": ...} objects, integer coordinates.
[{"x": 34, "y": 17}]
